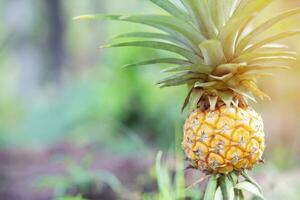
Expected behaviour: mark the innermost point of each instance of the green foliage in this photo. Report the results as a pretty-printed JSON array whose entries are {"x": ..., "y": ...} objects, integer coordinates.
[
  {"x": 80, "y": 177},
  {"x": 71, "y": 198},
  {"x": 211, "y": 188},
  {"x": 172, "y": 187},
  {"x": 229, "y": 187}
]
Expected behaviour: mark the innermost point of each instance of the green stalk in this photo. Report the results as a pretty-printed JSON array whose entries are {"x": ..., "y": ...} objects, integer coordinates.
[
  {"x": 228, "y": 187},
  {"x": 211, "y": 187}
]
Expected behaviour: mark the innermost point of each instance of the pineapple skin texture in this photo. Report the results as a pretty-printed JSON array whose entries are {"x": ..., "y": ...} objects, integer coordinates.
[{"x": 224, "y": 140}]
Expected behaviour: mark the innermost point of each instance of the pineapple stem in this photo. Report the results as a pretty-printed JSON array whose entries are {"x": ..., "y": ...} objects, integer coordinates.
[{"x": 228, "y": 187}]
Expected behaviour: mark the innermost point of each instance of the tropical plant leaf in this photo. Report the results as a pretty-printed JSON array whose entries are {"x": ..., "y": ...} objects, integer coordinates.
[
  {"x": 223, "y": 78},
  {"x": 175, "y": 27},
  {"x": 221, "y": 11},
  {"x": 194, "y": 68},
  {"x": 172, "y": 9},
  {"x": 248, "y": 68},
  {"x": 195, "y": 98},
  {"x": 163, "y": 178},
  {"x": 235, "y": 26},
  {"x": 265, "y": 26},
  {"x": 268, "y": 40},
  {"x": 212, "y": 101},
  {"x": 240, "y": 89},
  {"x": 180, "y": 78},
  {"x": 168, "y": 24},
  {"x": 217, "y": 12},
  {"x": 245, "y": 185},
  {"x": 175, "y": 61},
  {"x": 273, "y": 47},
  {"x": 211, "y": 188},
  {"x": 98, "y": 16},
  {"x": 226, "y": 97},
  {"x": 251, "y": 180},
  {"x": 218, "y": 194},
  {"x": 200, "y": 11},
  {"x": 228, "y": 68},
  {"x": 227, "y": 187},
  {"x": 178, "y": 82},
  {"x": 190, "y": 6},
  {"x": 159, "y": 45},
  {"x": 234, "y": 178},
  {"x": 187, "y": 99},
  {"x": 251, "y": 86},
  {"x": 159, "y": 36},
  {"x": 206, "y": 84},
  {"x": 271, "y": 59},
  {"x": 206, "y": 18},
  {"x": 253, "y": 75},
  {"x": 212, "y": 52},
  {"x": 179, "y": 185},
  {"x": 257, "y": 55}
]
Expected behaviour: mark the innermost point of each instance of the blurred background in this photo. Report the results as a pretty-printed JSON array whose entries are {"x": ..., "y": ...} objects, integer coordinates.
[{"x": 74, "y": 123}]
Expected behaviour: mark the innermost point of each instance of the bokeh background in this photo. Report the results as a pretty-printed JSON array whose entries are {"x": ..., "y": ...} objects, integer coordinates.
[{"x": 73, "y": 122}]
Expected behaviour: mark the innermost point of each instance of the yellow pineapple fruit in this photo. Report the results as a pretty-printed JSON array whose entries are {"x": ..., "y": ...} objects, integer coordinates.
[
  {"x": 220, "y": 55},
  {"x": 224, "y": 139}
]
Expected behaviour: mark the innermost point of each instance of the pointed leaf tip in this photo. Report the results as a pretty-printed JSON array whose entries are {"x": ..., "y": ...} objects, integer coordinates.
[
  {"x": 218, "y": 194},
  {"x": 105, "y": 46},
  {"x": 211, "y": 188},
  {"x": 250, "y": 188},
  {"x": 86, "y": 17}
]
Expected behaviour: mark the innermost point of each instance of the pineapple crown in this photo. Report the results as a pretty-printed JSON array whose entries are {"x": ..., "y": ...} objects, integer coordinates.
[{"x": 219, "y": 55}]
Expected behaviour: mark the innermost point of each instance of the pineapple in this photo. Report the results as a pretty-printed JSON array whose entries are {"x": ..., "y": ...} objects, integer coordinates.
[
  {"x": 224, "y": 139},
  {"x": 220, "y": 55}
]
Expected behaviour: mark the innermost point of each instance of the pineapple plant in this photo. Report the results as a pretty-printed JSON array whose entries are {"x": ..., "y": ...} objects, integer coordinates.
[{"x": 220, "y": 57}]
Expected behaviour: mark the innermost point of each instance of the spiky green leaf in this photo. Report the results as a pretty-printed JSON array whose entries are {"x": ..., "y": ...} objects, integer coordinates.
[
  {"x": 211, "y": 188},
  {"x": 212, "y": 101},
  {"x": 201, "y": 13},
  {"x": 271, "y": 39},
  {"x": 231, "y": 32},
  {"x": 206, "y": 84},
  {"x": 175, "y": 61},
  {"x": 149, "y": 35},
  {"x": 159, "y": 45},
  {"x": 250, "y": 179},
  {"x": 181, "y": 77},
  {"x": 240, "y": 89},
  {"x": 228, "y": 68},
  {"x": 171, "y": 25},
  {"x": 245, "y": 185},
  {"x": 226, "y": 97},
  {"x": 194, "y": 68},
  {"x": 258, "y": 55},
  {"x": 265, "y": 26},
  {"x": 168, "y": 24},
  {"x": 195, "y": 98},
  {"x": 248, "y": 68},
  {"x": 227, "y": 187},
  {"x": 172, "y": 9},
  {"x": 212, "y": 52},
  {"x": 218, "y": 194}
]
